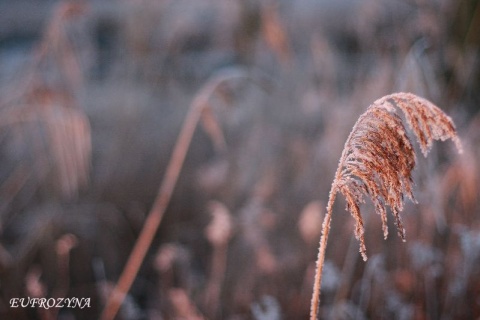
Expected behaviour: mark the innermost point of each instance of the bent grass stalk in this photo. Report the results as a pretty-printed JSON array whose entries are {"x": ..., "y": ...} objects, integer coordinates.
[
  {"x": 199, "y": 104},
  {"x": 378, "y": 160}
]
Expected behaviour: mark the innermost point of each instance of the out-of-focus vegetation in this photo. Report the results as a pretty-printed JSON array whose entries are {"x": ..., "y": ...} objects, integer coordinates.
[{"x": 93, "y": 95}]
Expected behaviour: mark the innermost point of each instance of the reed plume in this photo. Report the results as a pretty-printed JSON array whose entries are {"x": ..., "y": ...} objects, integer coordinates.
[
  {"x": 45, "y": 113},
  {"x": 378, "y": 160}
]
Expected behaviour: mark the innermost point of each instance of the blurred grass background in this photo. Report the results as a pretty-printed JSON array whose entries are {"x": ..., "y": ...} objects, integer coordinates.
[{"x": 93, "y": 95}]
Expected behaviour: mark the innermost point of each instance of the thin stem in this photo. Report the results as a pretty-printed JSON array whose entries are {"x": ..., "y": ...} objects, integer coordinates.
[
  {"x": 315, "y": 303},
  {"x": 154, "y": 217},
  {"x": 321, "y": 257},
  {"x": 151, "y": 224},
  {"x": 217, "y": 275}
]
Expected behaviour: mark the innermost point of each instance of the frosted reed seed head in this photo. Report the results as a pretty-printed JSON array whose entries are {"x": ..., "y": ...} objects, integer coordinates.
[
  {"x": 378, "y": 157},
  {"x": 66, "y": 243},
  {"x": 220, "y": 229},
  {"x": 427, "y": 121},
  {"x": 378, "y": 160}
]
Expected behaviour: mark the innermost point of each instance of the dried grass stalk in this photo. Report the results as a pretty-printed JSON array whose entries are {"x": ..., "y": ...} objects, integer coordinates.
[
  {"x": 53, "y": 127},
  {"x": 196, "y": 113},
  {"x": 275, "y": 34},
  {"x": 218, "y": 232},
  {"x": 377, "y": 160}
]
